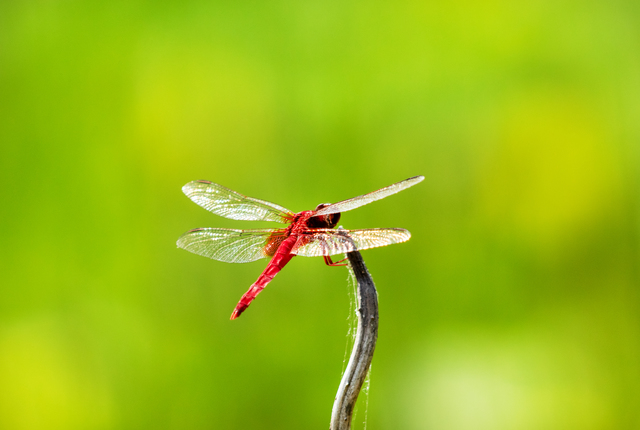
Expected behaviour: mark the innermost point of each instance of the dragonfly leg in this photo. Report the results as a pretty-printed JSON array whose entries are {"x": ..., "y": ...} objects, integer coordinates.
[{"x": 329, "y": 262}]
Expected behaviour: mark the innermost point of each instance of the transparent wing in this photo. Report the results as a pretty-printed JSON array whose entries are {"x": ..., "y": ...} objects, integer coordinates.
[
  {"x": 232, "y": 246},
  {"x": 229, "y": 204},
  {"x": 356, "y": 202},
  {"x": 326, "y": 241}
]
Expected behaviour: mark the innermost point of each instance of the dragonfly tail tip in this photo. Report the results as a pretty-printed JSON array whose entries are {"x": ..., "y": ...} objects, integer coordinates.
[{"x": 236, "y": 313}]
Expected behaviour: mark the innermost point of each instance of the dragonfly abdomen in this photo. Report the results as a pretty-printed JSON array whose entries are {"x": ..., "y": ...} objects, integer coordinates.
[{"x": 280, "y": 259}]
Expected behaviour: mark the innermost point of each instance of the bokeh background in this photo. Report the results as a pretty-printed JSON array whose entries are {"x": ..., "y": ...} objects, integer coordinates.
[{"x": 515, "y": 305}]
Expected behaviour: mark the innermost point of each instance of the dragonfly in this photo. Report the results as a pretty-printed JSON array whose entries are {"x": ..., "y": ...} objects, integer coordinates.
[{"x": 308, "y": 234}]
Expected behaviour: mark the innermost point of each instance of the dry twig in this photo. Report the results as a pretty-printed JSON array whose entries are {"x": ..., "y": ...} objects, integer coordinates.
[{"x": 364, "y": 345}]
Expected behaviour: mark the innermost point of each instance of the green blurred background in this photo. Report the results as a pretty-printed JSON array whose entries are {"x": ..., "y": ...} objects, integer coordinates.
[{"x": 515, "y": 305}]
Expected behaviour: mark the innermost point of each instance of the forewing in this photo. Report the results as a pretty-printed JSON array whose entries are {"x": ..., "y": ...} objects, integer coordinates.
[
  {"x": 356, "y": 202},
  {"x": 326, "y": 241},
  {"x": 230, "y": 204},
  {"x": 231, "y": 246}
]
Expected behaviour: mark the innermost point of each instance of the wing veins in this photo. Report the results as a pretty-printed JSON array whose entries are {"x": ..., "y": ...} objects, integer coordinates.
[
  {"x": 225, "y": 202},
  {"x": 356, "y": 202},
  {"x": 319, "y": 242},
  {"x": 228, "y": 245}
]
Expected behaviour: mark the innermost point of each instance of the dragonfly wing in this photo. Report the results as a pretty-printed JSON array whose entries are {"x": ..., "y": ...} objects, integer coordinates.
[
  {"x": 326, "y": 241},
  {"x": 230, "y": 204},
  {"x": 232, "y": 246},
  {"x": 356, "y": 202}
]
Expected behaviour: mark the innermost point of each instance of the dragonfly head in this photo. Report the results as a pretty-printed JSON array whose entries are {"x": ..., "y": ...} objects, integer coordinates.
[{"x": 324, "y": 221}]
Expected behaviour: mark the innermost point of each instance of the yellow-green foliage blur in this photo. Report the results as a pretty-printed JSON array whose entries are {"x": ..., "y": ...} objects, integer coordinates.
[{"x": 515, "y": 305}]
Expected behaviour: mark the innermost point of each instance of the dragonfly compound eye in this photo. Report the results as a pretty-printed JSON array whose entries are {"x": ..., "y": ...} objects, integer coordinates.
[
  {"x": 324, "y": 221},
  {"x": 332, "y": 219}
]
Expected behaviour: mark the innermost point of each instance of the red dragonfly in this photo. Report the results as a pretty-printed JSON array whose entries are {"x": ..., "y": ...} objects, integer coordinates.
[{"x": 309, "y": 234}]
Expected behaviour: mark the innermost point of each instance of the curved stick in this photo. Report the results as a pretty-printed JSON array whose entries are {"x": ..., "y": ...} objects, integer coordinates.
[{"x": 363, "y": 347}]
